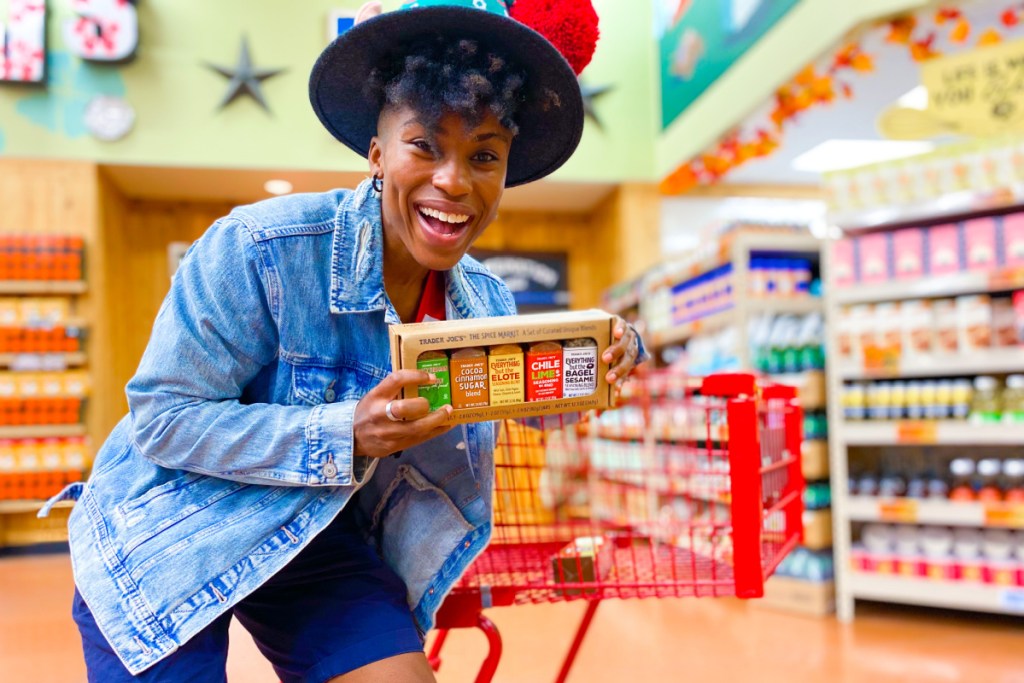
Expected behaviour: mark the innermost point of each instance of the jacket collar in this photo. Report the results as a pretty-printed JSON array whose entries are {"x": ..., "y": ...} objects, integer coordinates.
[{"x": 357, "y": 264}]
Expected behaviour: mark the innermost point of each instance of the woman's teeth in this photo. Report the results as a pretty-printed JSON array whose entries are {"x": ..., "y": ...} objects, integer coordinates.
[{"x": 454, "y": 218}]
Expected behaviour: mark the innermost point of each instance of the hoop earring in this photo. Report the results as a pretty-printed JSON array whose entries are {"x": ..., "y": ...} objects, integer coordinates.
[{"x": 378, "y": 184}]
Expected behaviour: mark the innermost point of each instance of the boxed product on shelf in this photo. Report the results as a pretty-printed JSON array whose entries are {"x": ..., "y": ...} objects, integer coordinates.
[
  {"x": 944, "y": 249},
  {"x": 873, "y": 254},
  {"x": 843, "y": 265},
  {"x": 979, "y": 235},
  {"x": 974, "y": 322},
  {"x": 1012, "y": 245},
  {"x": 536, "y": 365},
  {"x": 909, "y": 253}
]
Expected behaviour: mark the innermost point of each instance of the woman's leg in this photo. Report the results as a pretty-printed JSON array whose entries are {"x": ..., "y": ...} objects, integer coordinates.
[{"x": 407, "y": 668}]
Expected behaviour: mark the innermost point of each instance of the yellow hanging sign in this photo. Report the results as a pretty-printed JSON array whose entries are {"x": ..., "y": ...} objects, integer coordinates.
[{"x": 978, "y": 93}]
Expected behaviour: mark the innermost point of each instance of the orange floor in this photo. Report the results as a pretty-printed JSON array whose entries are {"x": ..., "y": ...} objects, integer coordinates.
[{"x": 654, "y": 640}]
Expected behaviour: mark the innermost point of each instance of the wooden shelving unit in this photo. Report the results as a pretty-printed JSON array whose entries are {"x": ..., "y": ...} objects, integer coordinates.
[{"x": 42, "y": 287}]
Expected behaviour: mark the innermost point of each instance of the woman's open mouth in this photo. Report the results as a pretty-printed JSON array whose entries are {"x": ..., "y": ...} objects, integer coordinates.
[{"x": 441, "y": 227}]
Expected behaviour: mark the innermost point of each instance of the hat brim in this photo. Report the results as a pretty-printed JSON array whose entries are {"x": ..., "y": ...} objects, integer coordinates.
[{"x": 546, "y": 138}]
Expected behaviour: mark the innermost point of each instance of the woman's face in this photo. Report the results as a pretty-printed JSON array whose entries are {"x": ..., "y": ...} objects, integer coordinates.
[{"x": 442, "y": 185}]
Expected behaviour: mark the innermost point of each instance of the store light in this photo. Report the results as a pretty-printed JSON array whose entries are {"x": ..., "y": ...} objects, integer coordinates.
[
  {"x": 278, "y": 186},
  {"x": 917, "y": 98},
  {"x": 836, "y": 155}
]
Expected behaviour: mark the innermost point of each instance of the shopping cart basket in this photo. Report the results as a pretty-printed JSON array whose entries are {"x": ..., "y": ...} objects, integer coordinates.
[{"x": 689, "y": 488}]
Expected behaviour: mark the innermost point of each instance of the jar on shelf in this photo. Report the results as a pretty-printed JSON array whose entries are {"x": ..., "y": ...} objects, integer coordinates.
[
  {"x": 1013, "y": 400},
  {"x": 961, "y": 472},
  {"x": 985, "y": 406}
]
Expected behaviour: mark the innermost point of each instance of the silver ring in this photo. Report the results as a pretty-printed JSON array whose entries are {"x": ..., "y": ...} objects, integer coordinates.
[{"x": 391, "y": 415}]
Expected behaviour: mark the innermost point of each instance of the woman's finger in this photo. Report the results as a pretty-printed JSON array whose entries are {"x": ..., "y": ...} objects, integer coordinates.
[
  {"x": 392, "y": 386},
  {"x": 409, "y": 408}
]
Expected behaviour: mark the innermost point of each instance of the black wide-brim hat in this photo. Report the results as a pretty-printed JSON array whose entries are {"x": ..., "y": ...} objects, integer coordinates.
[{"x": 546, "y": 138}]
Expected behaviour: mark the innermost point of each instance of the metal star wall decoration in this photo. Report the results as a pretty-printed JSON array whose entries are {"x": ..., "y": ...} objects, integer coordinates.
[
  {"x": 591, "y": 93},
  {"x": 244, "y": 79}
]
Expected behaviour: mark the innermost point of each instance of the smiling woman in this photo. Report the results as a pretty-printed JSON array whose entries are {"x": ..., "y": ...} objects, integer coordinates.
[{"x": 264, "y": 405}]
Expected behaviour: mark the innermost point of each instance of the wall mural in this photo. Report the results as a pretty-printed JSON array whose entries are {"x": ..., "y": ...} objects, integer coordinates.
[
  {"x": 700, "y": 41},
  {"x": 104, "y": 30},
  {"x": 23, "y": 42},
  {"x": 72, "y": 84}
]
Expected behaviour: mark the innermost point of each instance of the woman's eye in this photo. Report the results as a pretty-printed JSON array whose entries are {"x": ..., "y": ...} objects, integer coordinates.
[
  {"x": 422, "y": 145},
  {"x": 486, "y": 157}
]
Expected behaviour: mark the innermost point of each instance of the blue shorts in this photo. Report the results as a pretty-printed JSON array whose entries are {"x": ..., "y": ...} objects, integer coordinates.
[{"x": 335, "y": 608}]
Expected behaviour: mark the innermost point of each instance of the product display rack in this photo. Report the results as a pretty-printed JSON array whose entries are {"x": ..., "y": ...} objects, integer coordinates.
[
  {"x": 850, "y": 511},
  {"x": 739, "y": 249},
  {"x": 18, "y": 523}
]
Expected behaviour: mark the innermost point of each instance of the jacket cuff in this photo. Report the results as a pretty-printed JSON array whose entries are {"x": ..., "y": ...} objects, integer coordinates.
[
  {"x": 642, "y": 356},
  {"x": 329, "y": 446}
]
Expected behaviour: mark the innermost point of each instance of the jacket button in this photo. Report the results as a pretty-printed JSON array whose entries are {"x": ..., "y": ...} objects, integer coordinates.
[
  {"x": 330, "y": 470},
  {"x": 329, "y": 395}
]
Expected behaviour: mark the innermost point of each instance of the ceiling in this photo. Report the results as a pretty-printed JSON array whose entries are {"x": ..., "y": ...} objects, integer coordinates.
[
  {"x": 242, "y": 186},
  {"x": 894, "y": 74}
]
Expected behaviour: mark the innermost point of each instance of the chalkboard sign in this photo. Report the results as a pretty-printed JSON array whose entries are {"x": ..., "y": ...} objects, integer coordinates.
[{"x": 539, "y": 280}]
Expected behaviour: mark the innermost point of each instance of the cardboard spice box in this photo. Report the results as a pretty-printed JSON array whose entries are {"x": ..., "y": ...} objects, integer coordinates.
[{"x": 497, "y": 368}]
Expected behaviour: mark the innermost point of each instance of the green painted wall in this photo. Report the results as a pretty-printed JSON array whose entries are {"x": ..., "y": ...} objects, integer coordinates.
[{"x": 175, "y": 98}]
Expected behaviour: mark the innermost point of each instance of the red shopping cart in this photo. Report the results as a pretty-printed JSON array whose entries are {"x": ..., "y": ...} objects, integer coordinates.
[{"x": 689, "y": 488}]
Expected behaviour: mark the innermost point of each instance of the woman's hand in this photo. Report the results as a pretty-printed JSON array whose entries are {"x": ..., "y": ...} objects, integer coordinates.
[
  {"x": 623, "y": 353},
  {"x": 376, "y": 435}
]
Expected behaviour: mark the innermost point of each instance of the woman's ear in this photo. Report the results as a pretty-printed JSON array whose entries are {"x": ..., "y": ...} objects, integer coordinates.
[
  {"x": 374, "y": 157},
  {"x": 368, "y": 11}
]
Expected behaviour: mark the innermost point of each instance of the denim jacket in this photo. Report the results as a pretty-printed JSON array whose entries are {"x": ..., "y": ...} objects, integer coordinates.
[{"x": 237, "y": 449}]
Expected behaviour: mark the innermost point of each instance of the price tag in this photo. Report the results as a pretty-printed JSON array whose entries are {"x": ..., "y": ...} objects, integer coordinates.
[
  {"x": 917, "y": 432},
  {"x": 899, "y": 510},
  {"x": 1000, "y": 514},
  {"x": 1007, "y": 278},
  {"x": 880, "y": 360}
]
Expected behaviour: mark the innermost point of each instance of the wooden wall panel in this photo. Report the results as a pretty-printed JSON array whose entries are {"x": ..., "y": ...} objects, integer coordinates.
[
  {"x": 58, "y": 197},
  {"x": 139, "y": 233}
]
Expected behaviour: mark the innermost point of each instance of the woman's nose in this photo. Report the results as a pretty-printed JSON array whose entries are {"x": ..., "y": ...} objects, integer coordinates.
[{"x": 452, "y": 177}]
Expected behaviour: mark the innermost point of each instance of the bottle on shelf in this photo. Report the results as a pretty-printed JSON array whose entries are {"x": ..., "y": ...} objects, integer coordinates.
[
  {"x": 962, "y": 474},
  {"x": 1013, "y": 400},
  {"x": 1013, "y": 475},
  {"x": 985, "y": 407},
  {"x": 990, "y": 490},
  {"x": 892, "y": 484}
]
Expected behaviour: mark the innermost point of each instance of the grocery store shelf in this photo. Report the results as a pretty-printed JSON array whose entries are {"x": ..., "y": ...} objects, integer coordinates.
[
  {"x": 947, "y": 285},
  {"x": 950, "y": 594},
  {"x": 987, "y": 361},
  {"x": 814, "y": 459},
  {"x": 943, "y": 512},
  {"x": 41, "y": 431},
  {"x": 949, "y": 205},
  {"x": 42, "y": 287},
  {"x": 810, "y": 386},
  {"x": 42, "y": 360},
  {"x": 14, "y": 507},
  {"x": 681, "y": 333},
  {"x": 951, "y": 433},
  {"x": 719, "y": 321}
]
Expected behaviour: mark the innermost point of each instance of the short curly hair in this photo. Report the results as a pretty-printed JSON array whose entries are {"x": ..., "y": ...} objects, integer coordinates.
[{"x": 435, "y": 76}]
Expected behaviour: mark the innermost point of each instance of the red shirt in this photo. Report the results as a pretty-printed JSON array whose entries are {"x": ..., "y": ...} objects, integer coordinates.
[{"x": 432, "y": 301}]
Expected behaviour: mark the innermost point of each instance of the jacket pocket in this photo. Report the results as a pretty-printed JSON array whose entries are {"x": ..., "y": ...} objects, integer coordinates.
[
  {"x": 178, "y": 484},
  {"x": 419, "y": 527},
  {"x": 171, "y": 502},
  {"x": 316, "y": 384}
]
